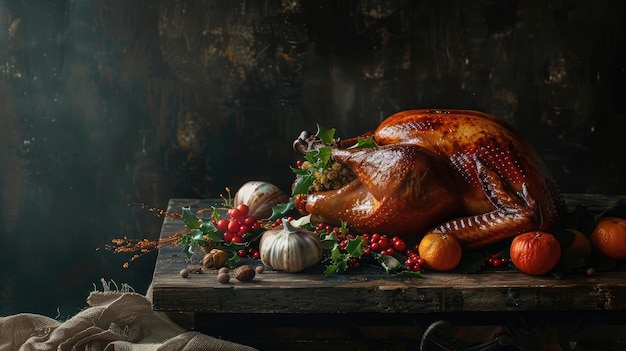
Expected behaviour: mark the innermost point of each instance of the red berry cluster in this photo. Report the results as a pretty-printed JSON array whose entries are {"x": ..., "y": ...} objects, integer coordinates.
[
  {"x": 496, "y": 261},
  {"x": 249, "y": 252},
  {"x": 376, "y": 244},
  {"x": 413, "y": 261},
  {"x": 234, "y": 229},
  {"x": 383, "y": 245},
  {"x": 342, "y": 239}
]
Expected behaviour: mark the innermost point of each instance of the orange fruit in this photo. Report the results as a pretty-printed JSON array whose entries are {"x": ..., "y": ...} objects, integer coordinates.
[
  {"x": 577, "y": 251},
  {"x": 441, "y": 252},
  {"x": 535, "y": 253},
  {"x": 609, "y": 238}
]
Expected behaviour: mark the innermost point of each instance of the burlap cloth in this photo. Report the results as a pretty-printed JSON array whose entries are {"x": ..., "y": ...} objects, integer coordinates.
[{"x": 112, "y": 321}]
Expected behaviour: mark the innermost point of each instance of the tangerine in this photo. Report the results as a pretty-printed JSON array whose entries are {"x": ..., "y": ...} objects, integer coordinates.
[
  {"x": 535, "y": 253},
  {"x": 441, "y": 252},
  {"x": 577, "y": 251},
  {"x": 609, "y": 238}
]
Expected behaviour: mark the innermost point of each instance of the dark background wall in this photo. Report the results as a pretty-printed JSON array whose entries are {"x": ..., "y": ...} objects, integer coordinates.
[{"x": 109, "y": 102}]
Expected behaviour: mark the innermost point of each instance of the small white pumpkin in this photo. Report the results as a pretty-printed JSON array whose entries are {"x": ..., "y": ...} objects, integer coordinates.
[
  {"x": 260, "y": 197},
  {"x": 290, "y": 248}
]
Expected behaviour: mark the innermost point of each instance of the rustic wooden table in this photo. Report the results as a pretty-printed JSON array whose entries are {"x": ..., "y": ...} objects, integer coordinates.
[{"x": 405, "y": 306}]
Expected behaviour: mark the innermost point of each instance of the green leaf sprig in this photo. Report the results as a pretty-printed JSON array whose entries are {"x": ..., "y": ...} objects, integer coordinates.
[
  {"x": 338, "y": 259},
  {"x": 201, "y": 232}
]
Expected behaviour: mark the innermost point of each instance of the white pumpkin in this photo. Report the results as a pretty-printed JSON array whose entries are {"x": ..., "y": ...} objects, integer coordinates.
[{"x": 290, "y": 248}]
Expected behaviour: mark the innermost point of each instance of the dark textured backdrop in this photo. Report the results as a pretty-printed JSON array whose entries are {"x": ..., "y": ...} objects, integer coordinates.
[{"x": 108, "y": 102}]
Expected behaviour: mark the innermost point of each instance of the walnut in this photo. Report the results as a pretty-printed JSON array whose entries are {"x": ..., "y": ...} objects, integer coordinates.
[{"x": 216, "y": 258}]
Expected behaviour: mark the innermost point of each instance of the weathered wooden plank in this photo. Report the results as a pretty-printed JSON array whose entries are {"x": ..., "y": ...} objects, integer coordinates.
[
  {"x": 376, "y": 292},
  {"x": 270, "y": 293}
]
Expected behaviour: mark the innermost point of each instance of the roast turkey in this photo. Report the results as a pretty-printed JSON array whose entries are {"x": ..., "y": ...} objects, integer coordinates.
[{"x": 464, "y": 173}]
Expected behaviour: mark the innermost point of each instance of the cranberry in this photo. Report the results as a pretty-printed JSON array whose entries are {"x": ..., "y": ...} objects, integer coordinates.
[
  {"x": 249, "y": 221},
  {"x": 233, "y": 226},
  {"x": 375, "y": 237},
  {"x": 222, "y": 225},
  {"x": 243, "y": 210},
  {"x": 399, "y": 245},
  {"x": 234, "y": 213},
  {"x": 228, "y": 237},
  {"x": 243, "y": 230}
]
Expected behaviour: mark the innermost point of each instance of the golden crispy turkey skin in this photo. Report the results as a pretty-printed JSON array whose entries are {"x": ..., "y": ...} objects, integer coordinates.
[{"x": 465, "y": 173}]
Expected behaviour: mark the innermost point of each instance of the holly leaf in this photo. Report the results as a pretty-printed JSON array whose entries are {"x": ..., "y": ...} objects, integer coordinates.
[
  {"x": 328, "y": 241},
  {"x": 335, "y": 254},
  {"x": 344, "y": 227},
  {"x": 280, "y": 210},
  {"x": 327, "y": 136},
  {"x": 363, "y": 143},
  {"x": 189, "y": 250},
  {"x": 234, "y": 257},
  {"x": 339, "y": 261},
  {"x": 410, "y": 274},
  {"x": 355, "y": 247},
  {"x": 318, "y": 158},
  {"x": 196, "y": 234},
  {"x": 189, "y": 244},
  {"x": 254, "y": 236},
  {"x": 211, "y": 232},
  {"x": 190, "y": 219},
  {"x": 331, "y": 269},
  {"x": 200, "y": 232},
  {"x": 216, "y": 215},
  {"x": 304, "y": 180}
]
